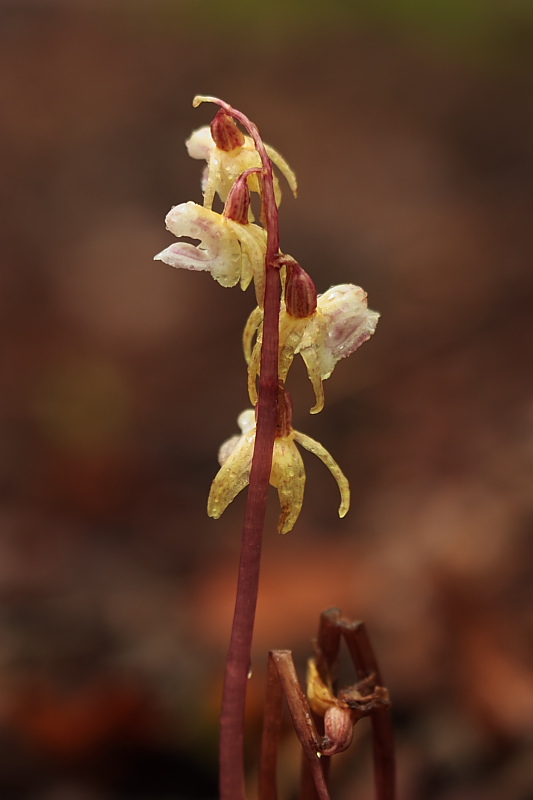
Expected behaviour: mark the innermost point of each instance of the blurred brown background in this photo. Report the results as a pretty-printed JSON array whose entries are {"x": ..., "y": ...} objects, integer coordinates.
[{"x": 410, "y": 127}]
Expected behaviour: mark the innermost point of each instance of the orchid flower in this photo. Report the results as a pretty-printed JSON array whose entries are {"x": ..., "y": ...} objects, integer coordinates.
[
  {"x": 341, "y": 323},
  {"x": 229, "y": 153},
  {"x": 231, "y": 251},
  {"x": 287, "y": 475}
]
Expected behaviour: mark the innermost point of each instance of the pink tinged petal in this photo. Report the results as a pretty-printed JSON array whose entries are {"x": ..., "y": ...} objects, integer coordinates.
[
  {"x": 288, "y": 477},
  {"x": 331, "y": 464},
  {"x": 200, "y": 143},
  {"x": 348, "y": 323},
  {"x": 219, "y": 251}
]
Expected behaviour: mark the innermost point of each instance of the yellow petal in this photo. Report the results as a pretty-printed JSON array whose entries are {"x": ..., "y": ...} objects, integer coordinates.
[
  {"x": 232, "y": 477},
  {"x": 253, "y": 247},
  {"x": 319, "y": 694},
  {"x": 253, "y": 370},
  {"x": 252, "y": 350},
  {"x": 284, "y": 168},
  {"x": 312, "y": 364},
  {"x": 250, "y": 330},
  {"x": 291, "y": 330},
  {"x": 288, "y": 477},
  {"x": 331, "y": 464}
]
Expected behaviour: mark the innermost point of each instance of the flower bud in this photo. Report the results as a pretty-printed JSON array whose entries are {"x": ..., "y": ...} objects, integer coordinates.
[
  {"x": 226, "y": 135},
  {"x": 238, "y": 203},
  {"x": 300, "y": 292},
  {"x": 338, "y": 730}
]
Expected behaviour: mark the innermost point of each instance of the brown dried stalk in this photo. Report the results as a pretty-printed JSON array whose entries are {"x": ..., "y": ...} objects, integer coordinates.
[{"x": 367, "y": 697}]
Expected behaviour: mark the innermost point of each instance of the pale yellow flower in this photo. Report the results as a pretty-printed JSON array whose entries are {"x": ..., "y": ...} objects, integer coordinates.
[
  {"x": 287, "y": 475},
  {"x": 341, "y": 323},
  {"x": 230, "y": 251},
  {"x": 223, "y": 168}
]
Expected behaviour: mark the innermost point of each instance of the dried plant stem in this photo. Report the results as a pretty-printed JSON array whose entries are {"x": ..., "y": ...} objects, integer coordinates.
[
  {"x": 281, "y": 670},
  {"x": 232, "y": 773},
  {"x": 272, "y": 719},
  {"x": 327, "y": 656},
  {"x": 358, "y": 644}
]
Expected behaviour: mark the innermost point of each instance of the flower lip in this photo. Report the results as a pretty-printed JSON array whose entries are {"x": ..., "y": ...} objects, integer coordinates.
[{"x": 219, "y": 251}]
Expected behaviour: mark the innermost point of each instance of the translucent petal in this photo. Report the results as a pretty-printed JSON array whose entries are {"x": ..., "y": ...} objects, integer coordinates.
[
  {"x": 347, "y": 324},
  {"x": 219, "y": 251},
  {"x": 312, "y": 363},
  {"x": 229, "y": 166},
  {"x": 232, "y": 477},
  {"x": 253, "y": 243},
  {"x": 284, "y": 168},
  {"x": 250, "y": 330},
  {"x": 331, "y": 464},
  {"x": 246, "y": 420},
  {"x": 200, "y": 143},
  {"x": 227, "y": 448},
  {"x": 291, "y": 330},
  {"x": 254, "y": 366},
  {"x": 225, "y": 168},
  {"x": 288, "y": 477}
]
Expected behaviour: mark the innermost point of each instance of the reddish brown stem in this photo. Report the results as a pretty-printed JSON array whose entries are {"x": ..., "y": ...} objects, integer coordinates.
[
  {"x": 326, "y": 654},
  {"x": 300, "y": 711},
  {"x": 232, "y": 773},
  {"x": 358, "y": 643},
  {"x": 268, "y": 787}
]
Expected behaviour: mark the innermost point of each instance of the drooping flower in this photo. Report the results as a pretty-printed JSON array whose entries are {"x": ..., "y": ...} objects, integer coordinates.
[
  {"x": 287, "y": 474},
  {"x": 231, "y": 251},
  {"x": 225, "y": 165},
  {"x": 341, "y": 323}
]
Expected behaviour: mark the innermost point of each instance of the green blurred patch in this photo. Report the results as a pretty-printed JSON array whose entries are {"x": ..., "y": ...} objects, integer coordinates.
[{"x": 488, "y": 28}]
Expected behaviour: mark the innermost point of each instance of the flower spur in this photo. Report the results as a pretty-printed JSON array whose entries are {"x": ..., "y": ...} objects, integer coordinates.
[{"x": 287, "y": 474}]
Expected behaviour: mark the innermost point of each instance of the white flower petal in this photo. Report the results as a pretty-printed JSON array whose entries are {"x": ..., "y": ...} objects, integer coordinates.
[
  {"x": 219, "y": 251},
  {"x": 183, "y": 255},
  {"x": 349, "y": 322},
  {"x": 200, "y": 143},
  {"x": 343, "y": 322}
]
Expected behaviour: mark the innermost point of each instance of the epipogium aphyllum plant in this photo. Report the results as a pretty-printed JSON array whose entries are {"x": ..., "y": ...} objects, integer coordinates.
[{"x": 289, "y": 319}]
